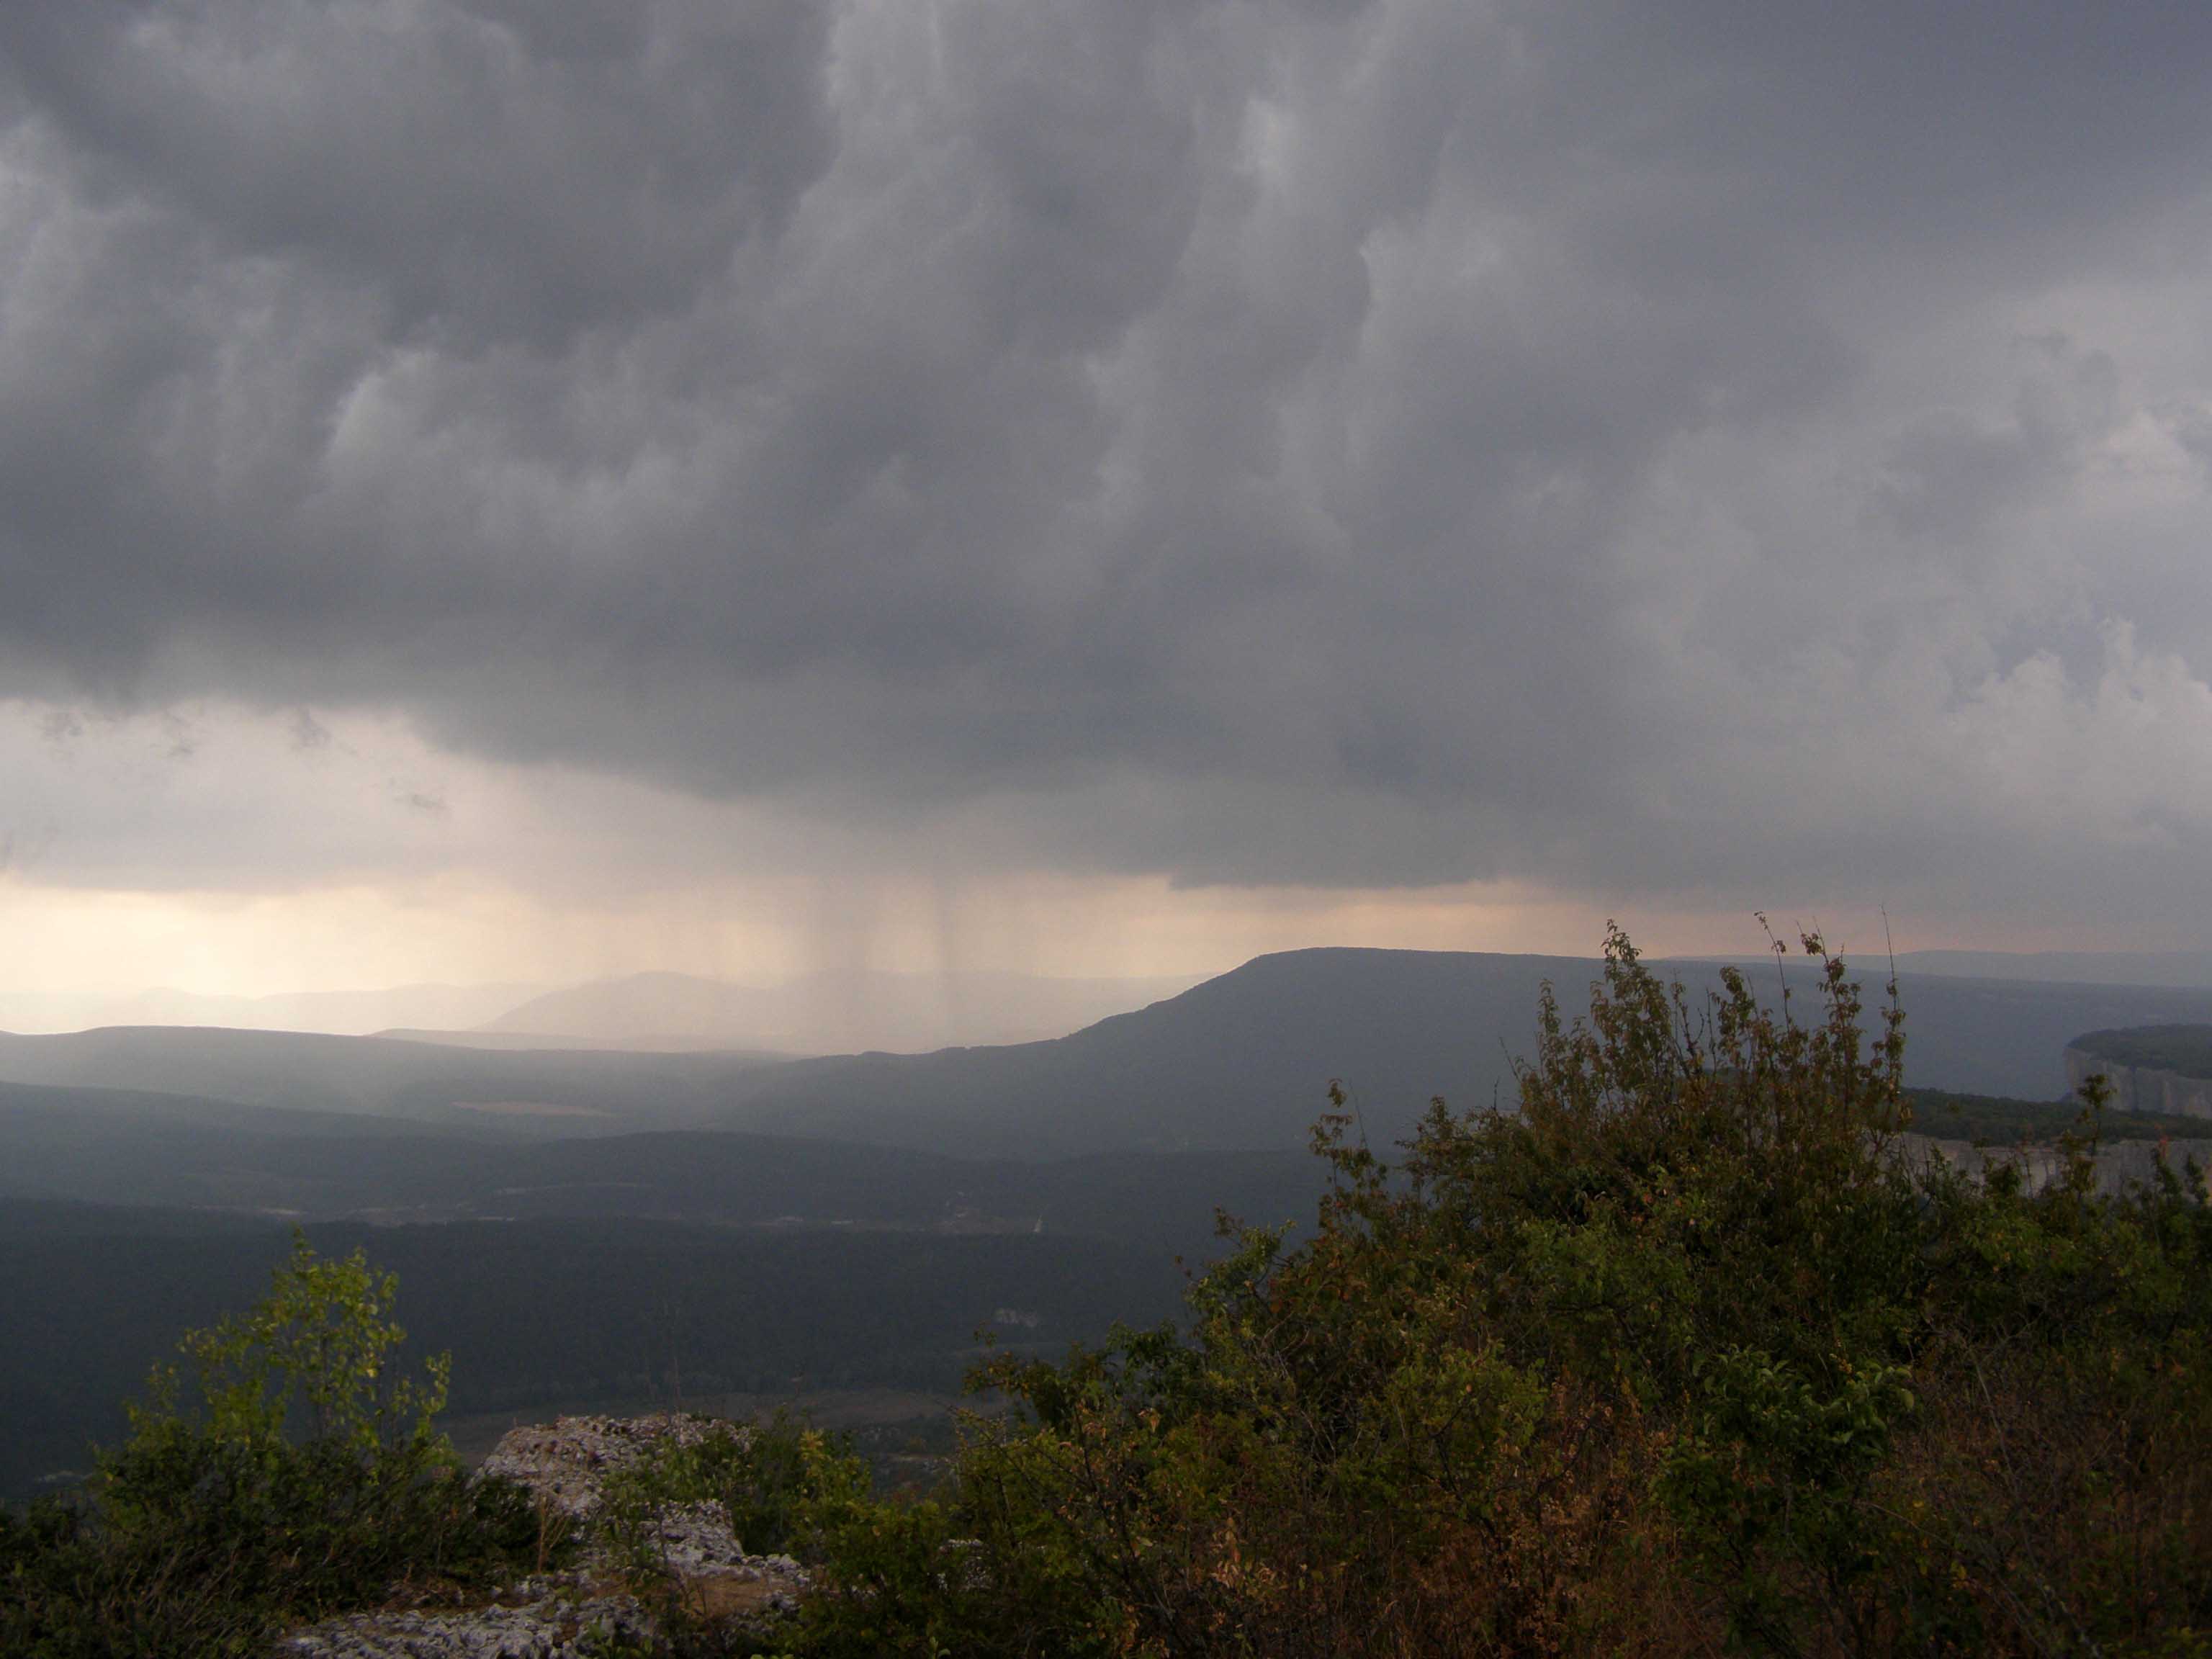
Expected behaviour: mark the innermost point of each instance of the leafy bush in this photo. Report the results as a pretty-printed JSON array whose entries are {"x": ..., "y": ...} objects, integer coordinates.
[
  {"x": 777, "y": 1485},
  {"x": 1689, "y": 1352},
  {"x": 768, "y": 1480},
  {"x": 304, "y": 1474}
]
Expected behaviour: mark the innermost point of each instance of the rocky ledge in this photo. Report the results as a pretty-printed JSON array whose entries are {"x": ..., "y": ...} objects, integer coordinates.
[
  {"x": 570, "y": 1615},
  {"x": 566, "y": 1616}
]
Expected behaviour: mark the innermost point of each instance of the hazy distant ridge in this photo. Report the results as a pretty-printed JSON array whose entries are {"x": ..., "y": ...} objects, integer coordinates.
[
  {"x": 342, "y": 1012},
  {"x": 830, "y": 1012},
  {"x": 1242, "y": 1061},
  {"x": 2184, "y": 968}
]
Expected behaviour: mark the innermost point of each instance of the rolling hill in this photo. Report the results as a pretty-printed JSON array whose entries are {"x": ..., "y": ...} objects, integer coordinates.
[
  {"x": 1244, "y": 1060},
  {"x": 2186, "y": 969}
]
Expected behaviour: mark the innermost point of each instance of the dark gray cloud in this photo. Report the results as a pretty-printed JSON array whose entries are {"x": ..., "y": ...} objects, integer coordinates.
[{"x": 1698, "y": 449}]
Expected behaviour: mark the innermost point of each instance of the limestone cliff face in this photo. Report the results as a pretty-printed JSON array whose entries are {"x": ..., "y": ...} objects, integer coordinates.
[
  {"x": 2139, "y": 1089},
  {"x": 2121, "y": 1164}
]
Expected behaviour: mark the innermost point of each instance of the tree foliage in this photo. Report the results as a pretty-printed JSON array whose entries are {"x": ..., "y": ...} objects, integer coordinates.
[
  {"x": 288, "y": 1467},
  {"x": 1691, "y": 1353}
]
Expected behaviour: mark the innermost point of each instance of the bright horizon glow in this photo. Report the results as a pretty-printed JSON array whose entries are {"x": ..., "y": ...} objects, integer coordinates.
[{"x": 106, "y": 944}]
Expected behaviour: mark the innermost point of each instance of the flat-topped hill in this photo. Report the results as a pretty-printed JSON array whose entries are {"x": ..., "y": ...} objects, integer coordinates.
[{"x": 2185, "y": 1049}]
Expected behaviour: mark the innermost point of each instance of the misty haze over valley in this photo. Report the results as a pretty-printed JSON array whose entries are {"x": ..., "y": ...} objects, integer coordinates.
[{"x": 821, "y": 1013}]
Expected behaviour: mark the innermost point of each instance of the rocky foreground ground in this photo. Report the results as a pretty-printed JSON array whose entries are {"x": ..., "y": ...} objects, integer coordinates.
[{"x": 571, "y": 1615}]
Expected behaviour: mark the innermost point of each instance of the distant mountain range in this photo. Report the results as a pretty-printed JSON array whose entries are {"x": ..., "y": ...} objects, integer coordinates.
[
  {"x": 347, "y": 1013},
  {"x": 827, "y": 1012},
  {"x": 2188, "y": 969},
  {"x": 1244, "y": 1060},
  {"x": 832, "y": 1012},
  {"x": 841, "y": 1012},
  {"x": 1240, "y": 1062},
  {"x": 612, "y": 1220}
]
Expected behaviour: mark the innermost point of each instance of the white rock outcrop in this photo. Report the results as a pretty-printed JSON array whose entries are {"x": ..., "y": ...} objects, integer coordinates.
[
  {"x": 565, "y": 1615},
  {"x": 552, "y": 1616},
  {"x": 2141, "y": 1088}
]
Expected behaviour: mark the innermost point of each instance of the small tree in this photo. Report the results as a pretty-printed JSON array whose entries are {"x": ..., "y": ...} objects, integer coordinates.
[
  {"x": 314, "y": 1358},
  {"x": 289, "y": 1467}
]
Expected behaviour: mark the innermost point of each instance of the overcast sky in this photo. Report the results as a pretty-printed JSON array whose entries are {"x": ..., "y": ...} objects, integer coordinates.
[{"x": 498, "y": 488}]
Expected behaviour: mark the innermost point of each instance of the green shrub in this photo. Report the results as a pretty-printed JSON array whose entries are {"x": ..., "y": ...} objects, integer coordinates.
[
  {"x": 1687, "y": 1353},
  {"x": 783, "y": 1488},
  {"x": 290, "y": 1470},
  {"x": 770, "y": 1481}
]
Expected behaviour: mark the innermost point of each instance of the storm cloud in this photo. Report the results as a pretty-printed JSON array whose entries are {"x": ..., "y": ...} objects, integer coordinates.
[{"x": 1706, "y": 450}]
